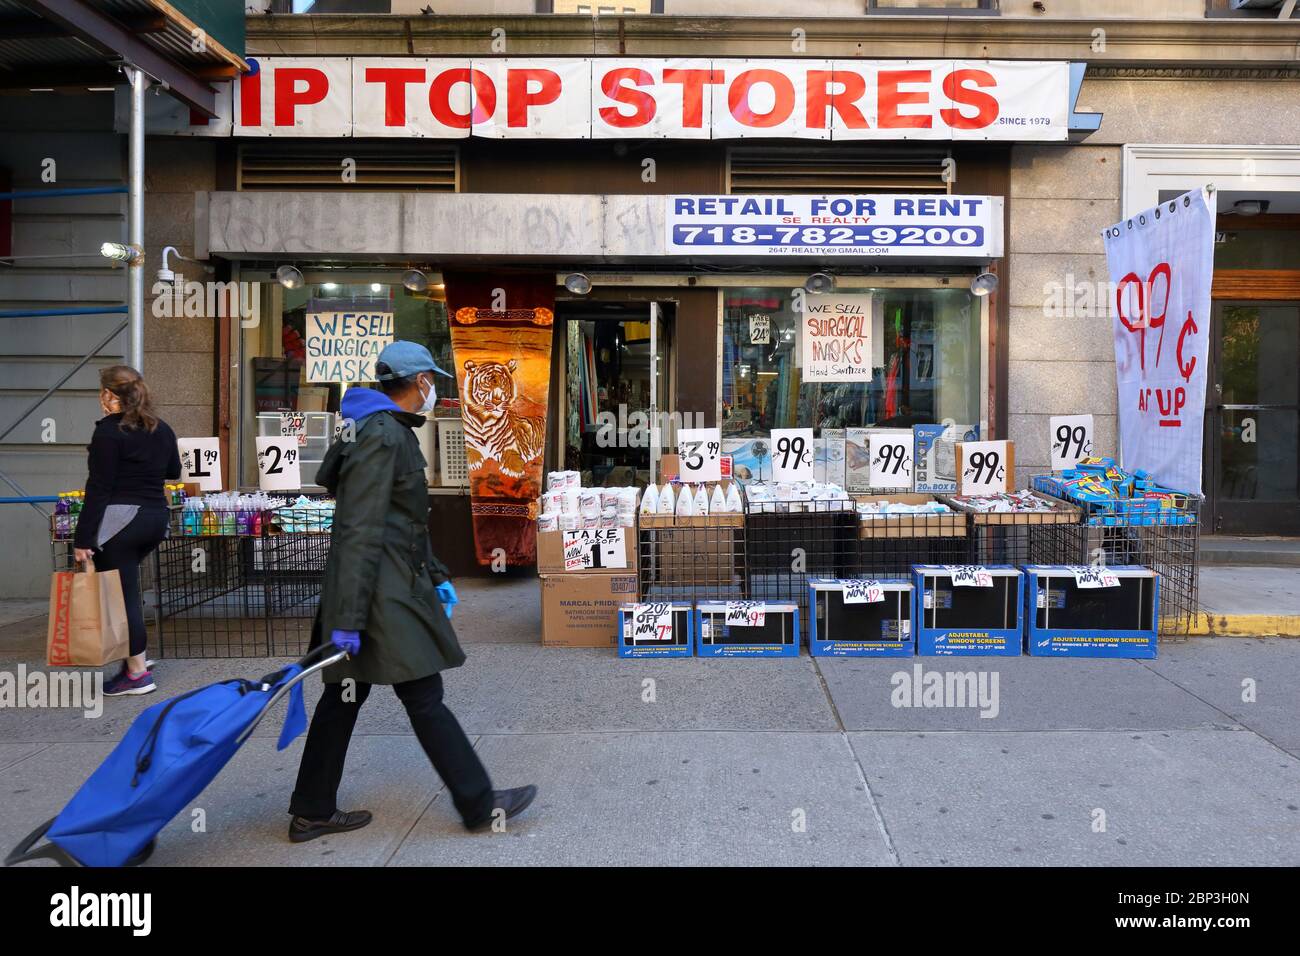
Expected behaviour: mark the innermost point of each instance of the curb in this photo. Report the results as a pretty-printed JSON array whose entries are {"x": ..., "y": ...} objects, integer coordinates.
[{"x": 1209, "y": 624}]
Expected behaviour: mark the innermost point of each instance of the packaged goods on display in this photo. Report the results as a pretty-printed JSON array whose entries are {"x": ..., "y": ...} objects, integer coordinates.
[
  {"x": 1113, "y": 496},
  {"x": 567, "y": 506},
  {"x": 796, "y": 496},
  {"x": 869, "y": 510},
  {"x": 684, "y": 500},
  {"x": 1012, "y": 502}
]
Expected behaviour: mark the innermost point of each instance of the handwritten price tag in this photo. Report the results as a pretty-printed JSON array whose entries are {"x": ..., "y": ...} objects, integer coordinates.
[
  {"x": 861, "y": 591},
  {"x": 586, "y": 550},
  {"x": 969, "y": 576},
  {"x": 277, "y": 464},
  {"x": 1071, "y": 437},
  {"x": 891, "y": 458},
  {"x": 652, "y": 623},
  {"x": 201, "y": 462},
  {"x": 792, "y": 454},
  {"x": 746, "y": 614},
  {"x": 699, "y": 454},
  {"x": 1086, "y": 576},
  {"x": 294, "y": 424}
]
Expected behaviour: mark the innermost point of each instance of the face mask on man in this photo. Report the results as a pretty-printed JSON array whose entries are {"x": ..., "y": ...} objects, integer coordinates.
[{"x": 430, "y": 399}]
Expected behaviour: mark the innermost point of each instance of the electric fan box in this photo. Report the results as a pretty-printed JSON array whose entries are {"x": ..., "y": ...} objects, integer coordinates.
[
  {"x": 1078, "y": 612},
  {"x": 880, "y": 625},
  {"x": 680, "y": 642},
  {"x": 968, "y": 620},
  {"x": 777, "y": 635}
]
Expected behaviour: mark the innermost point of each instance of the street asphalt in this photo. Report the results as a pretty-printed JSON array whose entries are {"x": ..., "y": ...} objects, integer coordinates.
[{"x": 1191, "y": 759}]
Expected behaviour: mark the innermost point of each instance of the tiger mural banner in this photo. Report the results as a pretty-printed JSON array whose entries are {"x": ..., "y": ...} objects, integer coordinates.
[{"x": 501, "y": 331}]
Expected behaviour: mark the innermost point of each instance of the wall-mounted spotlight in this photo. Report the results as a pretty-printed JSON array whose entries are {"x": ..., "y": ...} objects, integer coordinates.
[
  {"x": 983, "y": 284},
  {"x": 120, "y": 251},
  {"x": 290, "y": 277},
  {"x": 577, "y": 283},
  {"x": 415, "y": 281},
  {"x": 1250, "y": 207},
  {"x": 819, "y": 283}
]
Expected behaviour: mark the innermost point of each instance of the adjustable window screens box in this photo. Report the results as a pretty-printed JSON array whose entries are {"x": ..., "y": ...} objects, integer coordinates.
[
  {"x": 872, "y": 629},
  {"x": 1065, "y": 620},
  {"x": 581, "y": 610},
  {"x": 962, "y": 621},
  {"x": 777, "y": 636},
  {"x": 681, "y": 645},
  {"x": 550, "y": 551}
]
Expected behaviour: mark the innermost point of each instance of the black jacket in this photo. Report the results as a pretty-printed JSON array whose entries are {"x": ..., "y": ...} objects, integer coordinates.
[{"x": 127, "y": 466}]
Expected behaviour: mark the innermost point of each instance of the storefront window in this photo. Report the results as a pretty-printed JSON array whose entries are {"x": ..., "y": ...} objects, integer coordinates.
[
  {"x": 925, "y": 364},
  {"x": 294, "y": 373}
]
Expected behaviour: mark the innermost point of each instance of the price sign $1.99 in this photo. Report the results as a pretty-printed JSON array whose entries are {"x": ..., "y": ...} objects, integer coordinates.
[
  {"x": 277, "y": 463},
  {"x": 699, "y": 454},
  {"x": 984, "y": 467},
  {"x": 792, "y": 454},
  {"x": 201, "y": 462}
]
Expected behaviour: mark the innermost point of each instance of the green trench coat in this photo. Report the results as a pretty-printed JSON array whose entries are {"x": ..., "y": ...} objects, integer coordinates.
[{"x": 381, "y": 572}]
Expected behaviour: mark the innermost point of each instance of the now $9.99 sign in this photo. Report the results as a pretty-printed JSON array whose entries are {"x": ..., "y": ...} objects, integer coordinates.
[{"x": 1161, "y": 263}]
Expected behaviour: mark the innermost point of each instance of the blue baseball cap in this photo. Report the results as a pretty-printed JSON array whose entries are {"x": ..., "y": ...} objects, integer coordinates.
[{"x": 406, "y": 358}]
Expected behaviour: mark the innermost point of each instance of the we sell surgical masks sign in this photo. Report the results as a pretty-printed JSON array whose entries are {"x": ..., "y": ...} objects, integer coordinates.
[
  {"x": 837, "y": 339},
  {"x": 1161, "y": 264},
  {"x": 343, "y": 345}
]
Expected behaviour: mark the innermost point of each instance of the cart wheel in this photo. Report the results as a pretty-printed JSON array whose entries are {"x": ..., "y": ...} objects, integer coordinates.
[{"x": 143, "y": 854}]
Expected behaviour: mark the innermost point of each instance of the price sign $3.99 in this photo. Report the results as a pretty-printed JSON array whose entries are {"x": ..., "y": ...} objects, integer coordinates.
[
  {"x": 699, "y": 454},
  {"x": 792, "y": 454}
]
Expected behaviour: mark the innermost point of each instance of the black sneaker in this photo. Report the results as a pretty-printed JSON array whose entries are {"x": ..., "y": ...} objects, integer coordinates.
[
  {"x": 301, "y": 829},
  {"x": 513, "y": 802}
]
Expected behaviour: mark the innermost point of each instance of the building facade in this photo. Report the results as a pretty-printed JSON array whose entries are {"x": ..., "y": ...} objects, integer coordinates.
[{"x": 373, "y": 193}]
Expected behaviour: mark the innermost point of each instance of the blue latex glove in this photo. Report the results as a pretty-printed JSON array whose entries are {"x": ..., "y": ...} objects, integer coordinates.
[
  {"x": 349, "y": 641},
  {"x": 447, "y": 595}
]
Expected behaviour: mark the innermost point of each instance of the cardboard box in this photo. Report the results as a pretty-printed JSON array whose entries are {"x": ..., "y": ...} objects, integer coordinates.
[
  {"x": 680, "y": 644},
  {"x": 1063, "y": 619},
  {"x": 911, "y": 525},
  {"x": 1008, "y": 467},
  {"x": 777, "y": 636},
  {"x": 703, "y": 557},
  {"x": 968, "y": 621},
  {"x": 581, "y": 610},
  {"x": 608, "y": 551},
  {"x": 875, "y": 629},
  {"x": 1060, "y": 513}
]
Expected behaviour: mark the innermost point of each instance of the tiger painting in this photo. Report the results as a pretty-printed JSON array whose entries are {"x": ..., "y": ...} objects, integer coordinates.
[{"x": 492, "y": 429}]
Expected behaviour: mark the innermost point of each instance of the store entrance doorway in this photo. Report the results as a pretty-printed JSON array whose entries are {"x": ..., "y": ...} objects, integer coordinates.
[
  {"x": 1252, "y": 479},
  {"x": 616, "y": 380}
]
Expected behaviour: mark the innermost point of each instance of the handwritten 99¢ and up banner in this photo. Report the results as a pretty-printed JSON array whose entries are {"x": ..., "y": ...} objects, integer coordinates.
[
  {"x": 881, "y": 226},
  {"x": 342, "y": 346},
  {"x": 1161, "y": 264}
]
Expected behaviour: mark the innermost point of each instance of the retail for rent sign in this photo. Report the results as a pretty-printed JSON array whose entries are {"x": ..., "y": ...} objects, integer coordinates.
[
  {"x": 879, "y": 226},
  {"x": 1161, "y": 263},
  {"x": 645, "y": 98}
]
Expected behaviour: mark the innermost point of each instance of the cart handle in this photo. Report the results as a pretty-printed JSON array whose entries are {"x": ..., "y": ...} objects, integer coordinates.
[
  {"x": 23, "y": 852},
  {"x": 288, "y": 685}
]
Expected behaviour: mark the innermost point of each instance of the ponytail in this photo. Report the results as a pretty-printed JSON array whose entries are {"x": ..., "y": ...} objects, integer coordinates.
[{"x": 130, "y": 389}]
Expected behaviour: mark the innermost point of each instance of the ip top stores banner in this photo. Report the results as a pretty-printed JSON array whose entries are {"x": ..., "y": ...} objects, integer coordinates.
[{"x": 1161, "y": 263}]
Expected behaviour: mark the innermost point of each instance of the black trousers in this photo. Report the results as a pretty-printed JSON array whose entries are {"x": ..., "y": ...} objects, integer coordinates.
[
  {"x": 123, "y": 553},
  {"x": 436, "y": 727}
]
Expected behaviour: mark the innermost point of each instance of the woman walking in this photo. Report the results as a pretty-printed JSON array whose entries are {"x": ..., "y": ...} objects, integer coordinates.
[{"x": 124, "y": 518}]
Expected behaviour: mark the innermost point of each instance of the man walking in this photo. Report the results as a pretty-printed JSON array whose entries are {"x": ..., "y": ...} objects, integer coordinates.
[{"x": 387, "y": 601}]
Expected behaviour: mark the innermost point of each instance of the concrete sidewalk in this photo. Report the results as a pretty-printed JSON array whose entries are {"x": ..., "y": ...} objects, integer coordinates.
[
  {"x": 749, "y": 762},
  {"x": 1241, "y": 601}
]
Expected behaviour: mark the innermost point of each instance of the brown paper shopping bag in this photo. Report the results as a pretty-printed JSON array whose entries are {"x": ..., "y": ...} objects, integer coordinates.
[{"x": 88, "y": 626}]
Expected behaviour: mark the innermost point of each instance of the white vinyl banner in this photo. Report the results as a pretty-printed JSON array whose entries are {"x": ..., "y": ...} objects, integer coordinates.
[
  {"x": 610, "y": 98},
  {"x": 1161, "y": 263}
]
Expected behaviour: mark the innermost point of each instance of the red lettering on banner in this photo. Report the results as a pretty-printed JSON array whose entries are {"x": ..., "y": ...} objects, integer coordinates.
[
  {"x": 519, "y": 97},
  {"x": 693, "y": 82},
  {"x": 986, "y": 104},
  {"x": 395, "y": 82},
  {"x": 287, "y": 95},
  {"x": 890, "y": 98},
  {"x": 842, "y": 101},
  {"x": 738, "y": 98},
  {"x": 250, "y": 99},
  {"x": 484, "y": 98},
  {"x": 643, "y": 103}
]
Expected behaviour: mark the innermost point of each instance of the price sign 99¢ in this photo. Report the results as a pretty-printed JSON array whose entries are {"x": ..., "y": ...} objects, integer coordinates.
[
  {"x": 1071, "y": 438},
  {"x": 277, "y": 463},
  {"x": 792, "y": 454},
  {"x": 986, "y": 467},
  {"x": 891, "y": 458}
]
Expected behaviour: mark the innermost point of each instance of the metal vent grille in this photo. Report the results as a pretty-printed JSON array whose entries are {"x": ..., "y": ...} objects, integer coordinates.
[
  {"x": 835, "y": 169},
  {"x": 451, "y": 452},
  {"x": 284, "y": 164}
]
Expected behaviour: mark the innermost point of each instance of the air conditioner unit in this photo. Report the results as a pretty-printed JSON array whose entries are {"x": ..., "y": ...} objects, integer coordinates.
[
  {"x": 1091, "y": 612},
  {"x": 676, "y": 641},
  {"x": 771, "y": 630},
  {"x": 968, "y": 610},
  {"x": 855, "y": 618}
]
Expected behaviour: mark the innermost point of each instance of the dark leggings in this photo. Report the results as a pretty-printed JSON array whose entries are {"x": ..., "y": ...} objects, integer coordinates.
[{"x": 123, "y": 553}]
